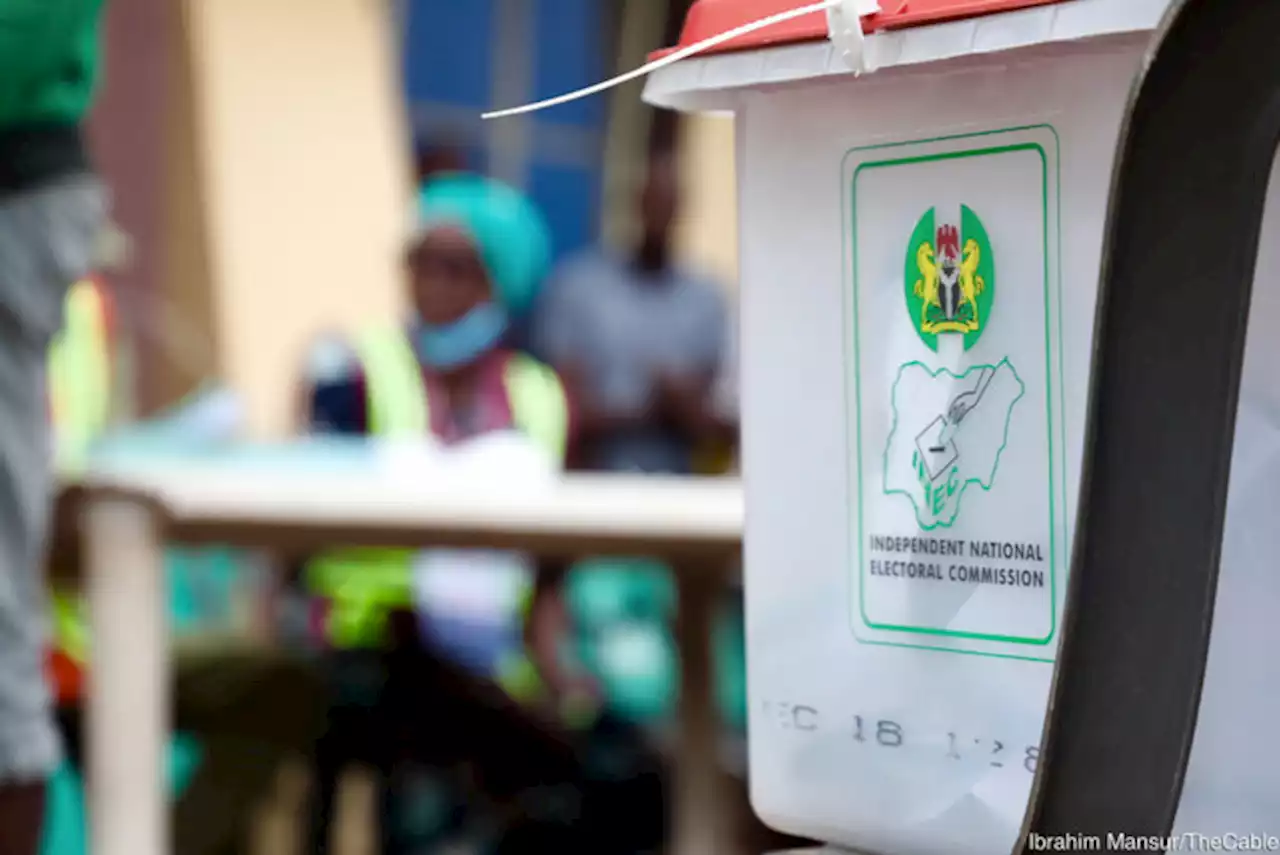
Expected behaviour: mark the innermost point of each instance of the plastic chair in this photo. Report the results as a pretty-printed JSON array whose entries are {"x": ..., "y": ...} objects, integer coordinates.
[
  {"x": 624, "y": 609},
  {"x": 730, "y": 650},
  {"x": 203, "y": 585}
]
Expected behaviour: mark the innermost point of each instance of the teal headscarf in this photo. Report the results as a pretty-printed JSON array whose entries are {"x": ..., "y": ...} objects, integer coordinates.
[{"x": 509, "y": 231}]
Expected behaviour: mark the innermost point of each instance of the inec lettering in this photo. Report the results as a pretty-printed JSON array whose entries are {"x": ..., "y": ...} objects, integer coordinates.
[
  {"x": 956, "y": 527},
  {"x": 958, "y": 536}
]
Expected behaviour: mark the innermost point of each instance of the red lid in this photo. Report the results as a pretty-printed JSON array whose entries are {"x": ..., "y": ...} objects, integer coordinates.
[{"x": 708, "y": 18}]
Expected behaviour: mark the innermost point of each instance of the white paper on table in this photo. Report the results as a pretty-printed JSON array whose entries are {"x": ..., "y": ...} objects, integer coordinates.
[
  {"x": 210, "y": 418},
  {"x": 215, "y": 414},
  {"x": 474, "y": 584},
  {"x": 506, "y": 460}
]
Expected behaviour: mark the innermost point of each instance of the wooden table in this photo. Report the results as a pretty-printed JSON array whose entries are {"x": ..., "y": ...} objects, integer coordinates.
[{"x": 131, "y": 511}]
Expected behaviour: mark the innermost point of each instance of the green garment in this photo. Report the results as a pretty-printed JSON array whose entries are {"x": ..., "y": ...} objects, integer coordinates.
[{"x": 49, "y": 60}]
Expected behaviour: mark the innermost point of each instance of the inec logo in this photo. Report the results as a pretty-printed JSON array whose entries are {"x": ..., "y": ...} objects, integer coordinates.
[{"x": 950, "y": 278}]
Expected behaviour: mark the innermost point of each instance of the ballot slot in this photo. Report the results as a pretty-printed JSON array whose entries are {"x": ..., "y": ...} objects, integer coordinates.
[{"x": 1165, "y": 692}]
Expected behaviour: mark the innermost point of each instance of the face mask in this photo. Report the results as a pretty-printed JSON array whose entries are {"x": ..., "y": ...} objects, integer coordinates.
[{"x": 465, "y": 340}]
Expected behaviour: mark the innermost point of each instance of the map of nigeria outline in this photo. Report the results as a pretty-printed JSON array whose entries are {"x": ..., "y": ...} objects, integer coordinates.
[{"x": 948, "y": 432}]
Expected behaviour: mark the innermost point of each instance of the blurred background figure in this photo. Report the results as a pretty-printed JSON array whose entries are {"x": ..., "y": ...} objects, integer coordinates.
[
  {"x": 641, "y": 343},
  {"x": 476, "y": 253},
  {"x": 502, "y": 705},
  {"x": 50, "y": 210},
  {"x": 475, "y": 260}
]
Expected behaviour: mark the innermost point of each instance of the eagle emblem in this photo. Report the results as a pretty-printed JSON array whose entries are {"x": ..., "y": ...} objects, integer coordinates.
[{"x": 950, "y": 278}]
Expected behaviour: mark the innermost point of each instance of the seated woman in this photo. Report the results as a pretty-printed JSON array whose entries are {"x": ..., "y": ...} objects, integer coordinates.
[{"x": 475, "y": 260}]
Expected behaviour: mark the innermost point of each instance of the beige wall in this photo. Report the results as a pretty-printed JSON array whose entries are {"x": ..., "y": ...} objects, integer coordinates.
[
  {"x": 296, "y": 191},
  {"x": 181, "y": 328},
  {"x": 707, "y": 235},
  {"x": 640, "y": 28},
  {"x": 305, "y": 180}
]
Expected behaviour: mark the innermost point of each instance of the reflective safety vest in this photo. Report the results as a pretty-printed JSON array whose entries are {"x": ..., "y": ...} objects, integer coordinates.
[
  {"x": 79, "y": 375},
  {"x": 363, "y": 585},
  {"x": 70, "y": 655},
  {"x": 79, "y": 390}
]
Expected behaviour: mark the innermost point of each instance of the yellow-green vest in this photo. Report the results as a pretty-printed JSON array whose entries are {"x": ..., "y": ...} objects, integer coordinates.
[
  {"x": 79, "y": 390},
  {"x": 79, "y": 376},
  {"x": 363, "y": 585}
]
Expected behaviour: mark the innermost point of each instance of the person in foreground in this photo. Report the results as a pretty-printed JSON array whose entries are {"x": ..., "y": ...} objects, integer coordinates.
[
  {"x": 438, "y": 728},
  {"x": 50, "y": 210}
]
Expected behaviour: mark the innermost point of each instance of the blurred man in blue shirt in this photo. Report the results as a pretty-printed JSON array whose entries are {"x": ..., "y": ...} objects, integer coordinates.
[{"x": 639, "y": 342}]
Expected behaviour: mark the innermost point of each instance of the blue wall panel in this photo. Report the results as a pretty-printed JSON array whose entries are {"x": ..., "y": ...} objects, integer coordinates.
[
  {"x": 568, "y": 197},
  {"x": 571, "y": 48},
  {"x": 448, "y": 61},
  {"x": 446, "y": 54}
]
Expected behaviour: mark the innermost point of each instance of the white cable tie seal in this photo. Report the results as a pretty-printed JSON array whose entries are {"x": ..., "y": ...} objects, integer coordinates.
[
  {"x": 849, "y": 39},
  {"x": 844, "y": 28}
]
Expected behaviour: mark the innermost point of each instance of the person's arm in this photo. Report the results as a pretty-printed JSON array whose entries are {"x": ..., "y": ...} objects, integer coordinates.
[
  {"x": 689, "y": 401},
  {"x": 688, "y": 404},
  {"x": 548, "y": 626},
  {"x": 592, "y": 418},
  {"x": 562, "y": 319},
  {"x": 547, "y": 623}
]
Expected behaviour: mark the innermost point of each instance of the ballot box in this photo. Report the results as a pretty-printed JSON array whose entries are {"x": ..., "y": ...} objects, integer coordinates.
[{"x": 922, "y": 197}]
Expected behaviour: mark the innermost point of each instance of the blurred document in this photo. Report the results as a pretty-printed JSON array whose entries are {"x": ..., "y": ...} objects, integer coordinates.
[
  {"x": 506, "y": 460},
  {"x": 471, "y": 602}
]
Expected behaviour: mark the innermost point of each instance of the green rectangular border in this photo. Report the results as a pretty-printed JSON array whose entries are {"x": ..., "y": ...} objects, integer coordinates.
[{"x": 851, "y": 316}]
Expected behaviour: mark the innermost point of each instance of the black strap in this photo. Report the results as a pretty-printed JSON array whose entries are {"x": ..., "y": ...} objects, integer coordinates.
[
  {"x": 1187, "y": 206},
  {"x": 35, "y": 155}
]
